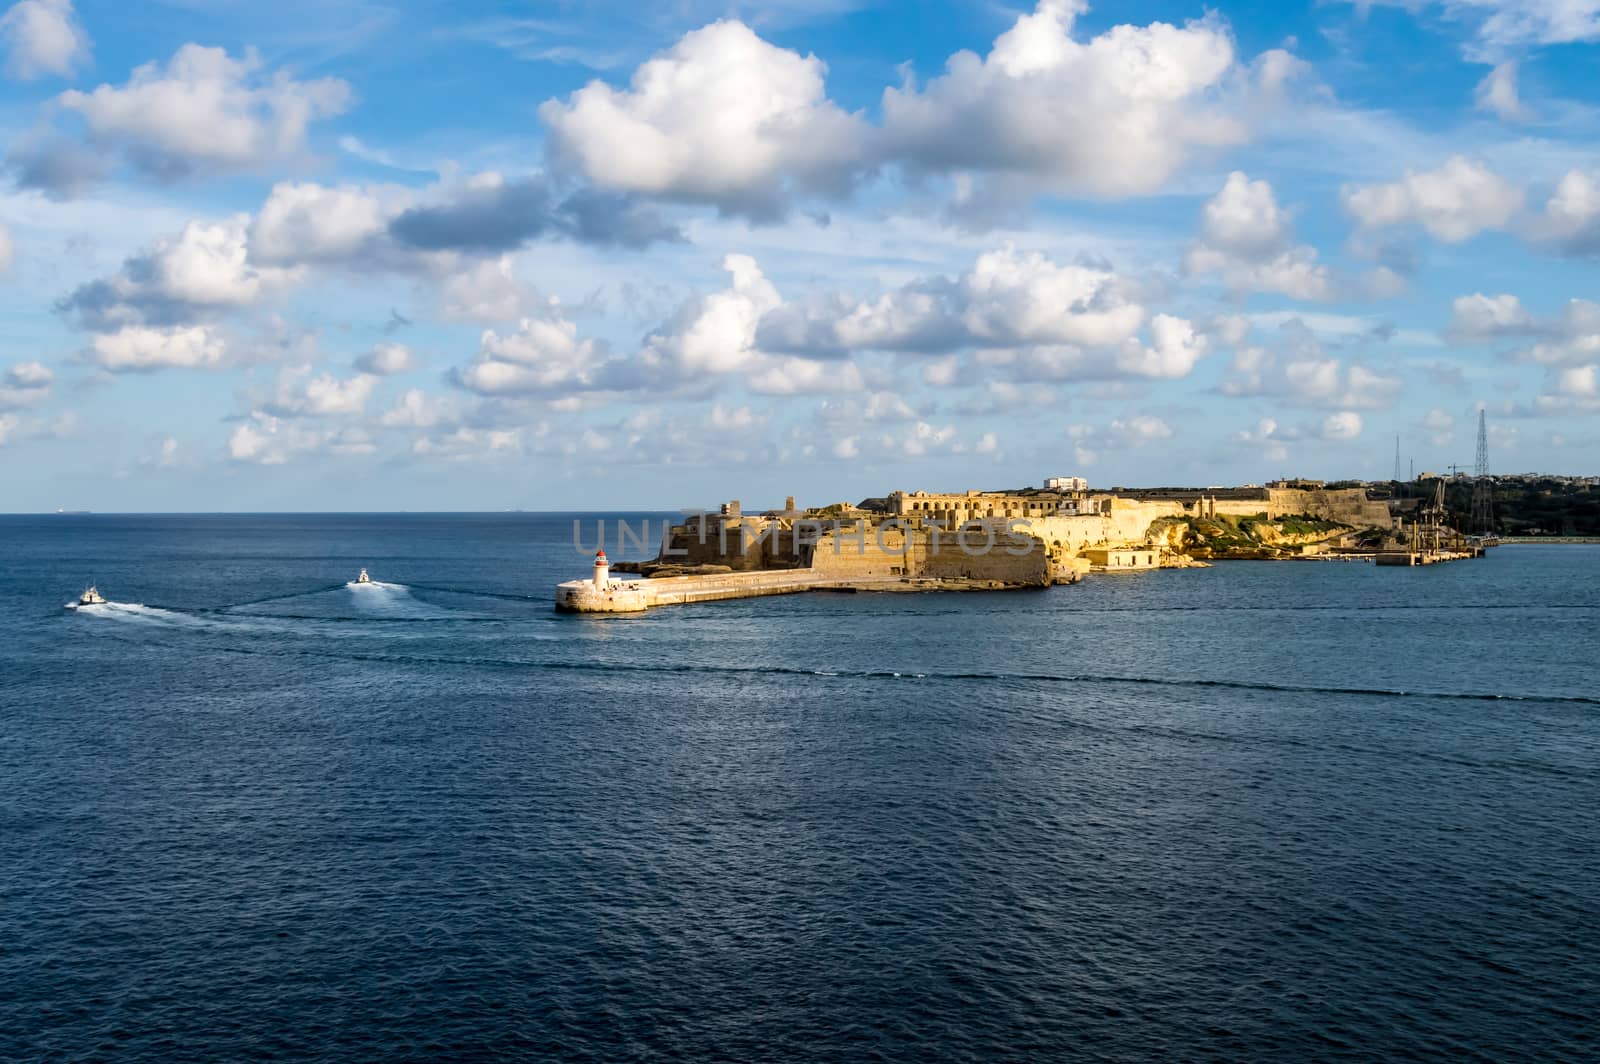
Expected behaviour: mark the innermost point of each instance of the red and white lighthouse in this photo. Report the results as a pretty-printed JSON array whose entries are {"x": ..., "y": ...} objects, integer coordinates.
[{"x": 602, "y": 571}]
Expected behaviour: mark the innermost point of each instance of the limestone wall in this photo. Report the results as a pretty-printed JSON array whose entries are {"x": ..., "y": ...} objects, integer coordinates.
[
  {"x": 1348, "y": 506},
  {"x": 885, "y": 552}
]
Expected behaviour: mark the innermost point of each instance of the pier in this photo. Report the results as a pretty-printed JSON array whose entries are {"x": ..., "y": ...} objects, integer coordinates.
[
  {"x": 1426, "y": 557},
  {"x": 636, "y": 596}
]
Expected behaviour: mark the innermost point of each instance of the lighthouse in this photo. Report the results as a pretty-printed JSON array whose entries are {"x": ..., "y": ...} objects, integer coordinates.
[{"x": 602, "y": 571}]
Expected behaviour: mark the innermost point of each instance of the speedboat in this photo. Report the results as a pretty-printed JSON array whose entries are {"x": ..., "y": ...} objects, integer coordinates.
[
  {"x": 91, "y": 597},
  {"x": 363, "y": 578}
]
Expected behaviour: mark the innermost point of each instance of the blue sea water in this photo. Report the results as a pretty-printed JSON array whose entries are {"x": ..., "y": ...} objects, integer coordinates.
[{"x": 1262, "y": 811}]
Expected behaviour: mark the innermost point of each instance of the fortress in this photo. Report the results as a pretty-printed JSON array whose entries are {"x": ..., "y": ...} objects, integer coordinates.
[{"x": 919, "y": 540}]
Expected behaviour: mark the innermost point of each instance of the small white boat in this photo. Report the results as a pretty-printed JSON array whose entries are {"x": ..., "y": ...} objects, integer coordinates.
[
  {"x": 363, "y": 578},
  {"x": 91, "y": 597}
]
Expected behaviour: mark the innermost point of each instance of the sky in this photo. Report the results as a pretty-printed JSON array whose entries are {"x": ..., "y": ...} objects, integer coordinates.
[{"x": 375, "y": 255}]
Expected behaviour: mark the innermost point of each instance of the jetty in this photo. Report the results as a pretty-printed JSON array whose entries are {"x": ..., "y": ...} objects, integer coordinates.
[
  {"x": 636, "y": 596},
  {"x": 1425, "y": 557}
]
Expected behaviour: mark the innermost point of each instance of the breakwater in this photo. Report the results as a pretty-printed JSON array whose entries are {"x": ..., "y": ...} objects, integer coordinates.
[{"x": 636, "y": 596}]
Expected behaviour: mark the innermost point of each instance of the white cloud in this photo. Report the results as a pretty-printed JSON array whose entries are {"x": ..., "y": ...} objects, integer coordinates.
[
  {"x": 1089, "y": 442},
  {"x": 8, "y": 250},
  {"x": 1010, "y": 299},
  {"x": 1345, "y": 425},
  {"x": 1248, "y": 238},
  {"x": 468, "y": 444},
  {"x": 723, "y": 117},
  {"x": 1501, "y": 26},
  {"x": 1457, "y": 201},
  {"x": 42, "y": 37},
  {"x": 488, "y": 291},
  {"x": 1304, "y": 374},
  {"x": 321, "y": 396},
  {"x": 1175, "y": 350},
  {"x": 415, "y": 409},
  {"x": 716, "y": 333},
  {"x": 387, "y": 359},
  {"x": 1477, "y": 317},
  {"x": 1573, "y": 337},
  {"x": 206, "y": 110},
  {"x": 135, "y": 348},
  {"x": 25, "y": 384},
  {"x": 268, "y": 440},
  {"x": 305, "y": 222},
  {"x": 204, "y": 269},
  {"x": 1497, "y": 93},
  {"x": 1571, "y": 218},
  {"x": 1051, "y": 320},
  {"x": 1113, "y": 116},
  {"x": 1140, "y": 430},
  {"x": 806, "y": 376},
  {"x": 543, "y": 356}
]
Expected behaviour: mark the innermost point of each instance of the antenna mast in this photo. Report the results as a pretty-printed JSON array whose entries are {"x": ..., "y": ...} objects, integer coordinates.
[{"x": 1482, "y": 486}]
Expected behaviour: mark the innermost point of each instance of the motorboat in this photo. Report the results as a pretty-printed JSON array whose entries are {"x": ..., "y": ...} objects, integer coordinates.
[
  {"x": 363, "y": 578},
  {"x": 91, "y": 597}
]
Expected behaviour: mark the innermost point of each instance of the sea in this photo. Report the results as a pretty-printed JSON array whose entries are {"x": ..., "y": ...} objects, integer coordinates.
[{"x": 1292, "y": 811}]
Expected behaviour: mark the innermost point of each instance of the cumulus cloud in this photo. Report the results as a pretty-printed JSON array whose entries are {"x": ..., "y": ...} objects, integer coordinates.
[
  {"x": 543, "y": 356},
  {"x": 457, "y": 229},
  {"x": 1248, "y": 238},
  {"x": 1112, "y": 116},
  {"x": 387, "y": 359},
  {"x": 42, "y": 37},
  {"x": 1069, "y": 320},
  {"x": 1302, "y": 373},
  {"x": 470, "y": 444},
  {"x": 8, "y": 250},
  {"x": 1497, "y": 94},
  {"x": 205, "y": 269},
  {"x": 25, "y": 384},
  {"x": 303, "y": 222},
  {"x": 324, "y": 395},
  {"x": 728, "y": 119},
  {"x": 1476, "y": 318},
  {"x": 1572, "y": 338},
  {"x": 416, "y": 409},
  {"x": 1457, "y": 201},
  {"x": 1568, "y": 339},
  {"x": 716, "y": 333},
  {"x": 1273, "y": 437},
  {"x": 722, "y": 118},
  {"x": 806, "y": 376},
  {"x": 267, "y": 440},
  {"x": 205, "y": 111},
  {"x": 1090, "y": 442},
  {"x": 138, "y": 348},
  {"x": 1570, "y": 221}
]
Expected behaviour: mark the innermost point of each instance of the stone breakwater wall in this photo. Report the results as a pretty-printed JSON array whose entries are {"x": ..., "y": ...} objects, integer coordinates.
[{"x": 636, "y": 596}]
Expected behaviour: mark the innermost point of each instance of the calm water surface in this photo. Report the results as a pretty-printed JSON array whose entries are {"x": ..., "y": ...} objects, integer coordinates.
[{"x": 1280, "y": 811}]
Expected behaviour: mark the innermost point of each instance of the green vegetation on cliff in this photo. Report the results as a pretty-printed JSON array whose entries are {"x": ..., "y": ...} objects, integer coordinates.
[{"x": 1228, "y": 536}]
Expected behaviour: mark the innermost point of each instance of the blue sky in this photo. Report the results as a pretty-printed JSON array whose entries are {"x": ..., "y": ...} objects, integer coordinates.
[{"x": 376, "y": 255}]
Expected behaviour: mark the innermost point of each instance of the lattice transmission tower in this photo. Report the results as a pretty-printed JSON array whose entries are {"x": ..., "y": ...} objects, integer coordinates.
[{"x": 1482, "y": 486}]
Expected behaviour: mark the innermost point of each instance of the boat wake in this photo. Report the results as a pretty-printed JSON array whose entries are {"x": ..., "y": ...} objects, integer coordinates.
[
  {"x": 135, "y": 612},
  {"x": 374, "y": 585}
]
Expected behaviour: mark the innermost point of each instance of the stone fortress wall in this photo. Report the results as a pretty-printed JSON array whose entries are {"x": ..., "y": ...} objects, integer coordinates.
[{"x": 1010, "y": 537}]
